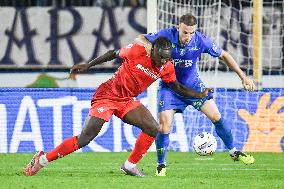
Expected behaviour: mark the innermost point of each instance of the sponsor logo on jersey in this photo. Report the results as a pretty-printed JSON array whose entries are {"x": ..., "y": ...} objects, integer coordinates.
[
  {"x": 214, "y": 47},
  {"x": 182, "y": 63},
  {"x": 154, "y": 33},
  {"x": 195, "y": 48},
  {"x": 147, "y": 71}
]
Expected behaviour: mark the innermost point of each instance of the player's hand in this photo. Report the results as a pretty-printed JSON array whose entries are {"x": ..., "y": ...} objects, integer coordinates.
[
  {"x": 142, "y": 41},
  {"x": 248, "y": 84},
  {"x": 80, "y": 68},
  {"x": 205, "y": 92}
]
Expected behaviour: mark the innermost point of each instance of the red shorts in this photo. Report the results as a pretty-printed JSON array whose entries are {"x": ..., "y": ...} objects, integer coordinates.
[{"x": 105, "y": 104}]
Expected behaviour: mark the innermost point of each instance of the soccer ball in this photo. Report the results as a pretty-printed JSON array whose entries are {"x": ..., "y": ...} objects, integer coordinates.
[{"x": 204, "y": 144}]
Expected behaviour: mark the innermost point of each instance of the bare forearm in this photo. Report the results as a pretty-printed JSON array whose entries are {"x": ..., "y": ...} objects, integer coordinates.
[
  {"x": 110, "y": 55},
  {"x": 232, "y": 64},
  {"x": 184, "y": 91}
]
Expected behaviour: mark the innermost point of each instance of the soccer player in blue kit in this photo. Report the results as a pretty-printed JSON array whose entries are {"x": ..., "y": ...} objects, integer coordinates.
[{"x": 188, "y": 45}]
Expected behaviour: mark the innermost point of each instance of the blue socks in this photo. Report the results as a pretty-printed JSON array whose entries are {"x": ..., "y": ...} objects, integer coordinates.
[
  {"x": 224, "y": 132},
  {"x": 162, "y": 144}
]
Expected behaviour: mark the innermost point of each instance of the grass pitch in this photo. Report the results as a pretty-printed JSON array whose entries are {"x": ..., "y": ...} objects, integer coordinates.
[{"x": 185, "y": 170}]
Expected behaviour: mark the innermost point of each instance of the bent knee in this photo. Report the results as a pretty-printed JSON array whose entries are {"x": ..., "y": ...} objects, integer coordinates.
[
  {"x": 215, "y": 117},
  {"x": 165, "y": 126}
]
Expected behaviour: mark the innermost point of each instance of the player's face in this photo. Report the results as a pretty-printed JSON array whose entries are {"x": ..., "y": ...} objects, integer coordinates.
[
  {"x": 161, "y": 56},
  {"x": 186, "y": 33}
]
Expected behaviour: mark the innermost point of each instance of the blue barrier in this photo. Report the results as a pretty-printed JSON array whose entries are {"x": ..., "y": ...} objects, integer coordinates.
[{"x": 39, "y": 119}]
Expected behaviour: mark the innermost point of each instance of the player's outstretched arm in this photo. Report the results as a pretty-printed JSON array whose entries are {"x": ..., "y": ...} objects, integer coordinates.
[
  {"x": 232, "y": 64},
  {"x": 81, "y": 68},
  {"x": 184, "y": 91}
]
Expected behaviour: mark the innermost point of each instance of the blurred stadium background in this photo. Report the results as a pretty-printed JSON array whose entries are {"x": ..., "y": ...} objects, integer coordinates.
[{"x": 41, "y": 104}]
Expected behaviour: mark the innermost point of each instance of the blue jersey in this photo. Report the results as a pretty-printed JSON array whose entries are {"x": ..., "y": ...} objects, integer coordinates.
[{"x": 186, "y": 56}]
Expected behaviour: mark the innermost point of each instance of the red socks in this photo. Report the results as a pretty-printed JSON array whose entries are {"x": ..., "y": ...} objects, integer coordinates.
[
  {"x": 68, "y": 146},
  {"x": 142, "y": 144}
]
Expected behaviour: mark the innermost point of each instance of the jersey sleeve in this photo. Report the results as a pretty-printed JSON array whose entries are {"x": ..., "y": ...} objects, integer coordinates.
[
  {"x": 153, "y": 36},
  {"x": 210, "y": 47},
  {"x": 131, "y": 51},
  {"x": 170, "y": 75}
]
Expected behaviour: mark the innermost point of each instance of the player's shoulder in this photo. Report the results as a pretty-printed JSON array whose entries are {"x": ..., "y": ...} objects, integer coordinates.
[
  {"x": 202, "y": 38},
  {"x": 169, "y": 30},
  {"x": 169, "y": 33},
  {"x": 172, "y": 30},
  {"x": 172, "y": 33},
  {"x": 136, "y": 47},
  {"x": 200, "y": 35}
]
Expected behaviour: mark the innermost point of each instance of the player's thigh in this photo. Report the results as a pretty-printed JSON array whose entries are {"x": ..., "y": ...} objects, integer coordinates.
[
  {"x": 143, "y": 119},
  {"x": 210, "y": 109},
  {"x": 166, "y": 119}
]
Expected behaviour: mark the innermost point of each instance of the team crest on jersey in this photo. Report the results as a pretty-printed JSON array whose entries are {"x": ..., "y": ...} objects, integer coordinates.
[
  {"x": 182, "y": 52},
  {"x": 173, "y": 45},
  {"x": 161, "y": 103},
  {"x": 100, "y": 109}
]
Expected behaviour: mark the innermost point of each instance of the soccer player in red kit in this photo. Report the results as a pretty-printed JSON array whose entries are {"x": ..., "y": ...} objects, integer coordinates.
[{"x": 118, "y": 96}]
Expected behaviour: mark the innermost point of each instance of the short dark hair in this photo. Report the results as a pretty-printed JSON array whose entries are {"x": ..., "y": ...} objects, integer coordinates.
[
  {"x": 188, "y": 19},
  {"x": 162, "y": 43}
]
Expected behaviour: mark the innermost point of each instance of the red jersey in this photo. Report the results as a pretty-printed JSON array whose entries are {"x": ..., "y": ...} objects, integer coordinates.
[{"x": 137, "y": 72}]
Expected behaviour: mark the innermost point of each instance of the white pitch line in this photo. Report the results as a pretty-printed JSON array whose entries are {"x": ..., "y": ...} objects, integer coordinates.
[
  {"x": 232, "y": 169},
  {"x": 204, "y": 159}
]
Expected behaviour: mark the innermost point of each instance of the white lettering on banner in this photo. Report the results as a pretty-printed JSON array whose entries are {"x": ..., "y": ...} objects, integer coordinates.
[
  {"x": 116, "y": 124},
  {"x": 3, "y": 129},
  {"x": 56, "y": 104},
  {"x": 180, "y": 135},
  {"x": 78, "y": 106},
  {"x": 70, "y": 30},
  {"x": 27, "y": 106},
  {"x": 27, "y": 112},
  {"x": 94, "y": 146},
  {"x": 128, "y": 132}
]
